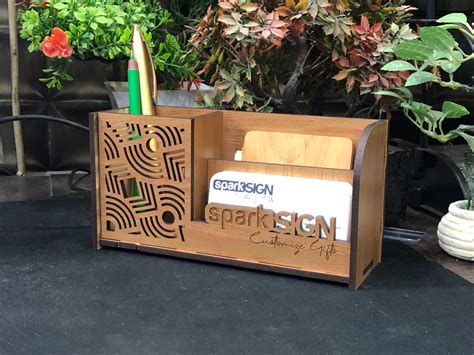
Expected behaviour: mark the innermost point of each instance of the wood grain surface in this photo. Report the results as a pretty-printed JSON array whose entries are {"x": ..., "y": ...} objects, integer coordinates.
[{"x": 298, "y": 149}]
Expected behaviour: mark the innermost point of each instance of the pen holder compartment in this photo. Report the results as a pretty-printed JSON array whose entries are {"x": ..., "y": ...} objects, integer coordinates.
[{"x": 164, "y": 208}]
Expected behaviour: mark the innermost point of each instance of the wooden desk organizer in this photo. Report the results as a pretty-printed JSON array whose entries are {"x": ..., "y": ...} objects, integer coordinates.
[{"x": 169, "y": 159}]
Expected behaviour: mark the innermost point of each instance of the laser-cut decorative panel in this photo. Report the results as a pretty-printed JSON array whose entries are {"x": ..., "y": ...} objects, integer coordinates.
[{"x": 145, "y": 171}]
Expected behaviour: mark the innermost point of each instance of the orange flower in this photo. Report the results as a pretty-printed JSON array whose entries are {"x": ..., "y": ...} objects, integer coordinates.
[{"x": 57, "y": 45}]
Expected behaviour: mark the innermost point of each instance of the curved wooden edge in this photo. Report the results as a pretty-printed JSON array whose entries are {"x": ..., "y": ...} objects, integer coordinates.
[
  {"x": 223, "y": 261},
  {"x": 368, "y": 202},
  {"x": 93, "y": 138}
]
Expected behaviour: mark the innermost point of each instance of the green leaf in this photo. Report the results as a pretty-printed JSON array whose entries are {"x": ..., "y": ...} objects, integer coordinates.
[
  {"x": 80, "y": 16},
  {"x": 419, "y": 112},
  {"x": 59, "y": 6},
  {"x": 423, "y": 112},
  {"x": 434, "y": 116},
  {"x": 465, "y": 128},
  {"x": 208, "y": 100},
  {"x": 388, "y": 48},
  {"x": 453, "y": 110},
  {"x": 437, "y": 38},
  {"x": 399, "y": 65},
  {"x": 102, "y": 20},
  {"x": 72, "y": 28},
  {"x": 388, "y": 93},
  {"x": 421, "y": 107},
  {"x": 420, "y": 77},
  {"x": 32, "y": 47},
  {"x": 451, "y": 66},
  {"x": 453, "y": 18},
  {"x": 415, "y": 50},
  {"x": 406, "y": 92},
  {"x": 63, "y": 13},
  {"x": 467, "y": 137},
  {"x": 166, "y": 56}
]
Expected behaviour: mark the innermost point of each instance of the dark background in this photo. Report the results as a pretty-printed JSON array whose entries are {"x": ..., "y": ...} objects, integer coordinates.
[{"x": 53, "y": 147}]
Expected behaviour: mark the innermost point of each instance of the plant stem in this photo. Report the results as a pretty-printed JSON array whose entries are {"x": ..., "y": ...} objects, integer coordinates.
[{"x": 291, "y": 87}]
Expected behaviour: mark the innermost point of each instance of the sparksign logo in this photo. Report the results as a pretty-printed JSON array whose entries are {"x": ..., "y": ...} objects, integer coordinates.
[{"x": 243, "y": 186}]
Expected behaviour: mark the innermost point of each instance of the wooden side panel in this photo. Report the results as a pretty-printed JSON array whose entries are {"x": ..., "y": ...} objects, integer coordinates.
[
  {"x": 368, "y": 202},
  {"x": 95, "y": 193},
  {"x": 215, "y": 166},
  {"x": 208, "y": 144}
]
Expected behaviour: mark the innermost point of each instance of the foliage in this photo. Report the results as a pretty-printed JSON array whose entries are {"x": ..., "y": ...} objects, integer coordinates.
[
  {"x": 433, "y": 59},
  {"x": 57, "y": 74},
  {"x": 378, "y": 11},
  {"x": 187, "y": 14},
  {"x": 102, "y": 29},
  {"x": 260, "y": 56},
  {"x": 174, "y": 61},
  {"x": 266, "y": 55},
  {"x": 361, "y": 66}
]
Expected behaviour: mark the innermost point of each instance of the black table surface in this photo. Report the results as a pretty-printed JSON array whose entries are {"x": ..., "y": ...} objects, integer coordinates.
[{"x": 58, "y": 296}]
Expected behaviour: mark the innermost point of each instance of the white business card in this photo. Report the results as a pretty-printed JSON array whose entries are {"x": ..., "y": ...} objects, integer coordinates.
[{"x": 329, "y": 199}]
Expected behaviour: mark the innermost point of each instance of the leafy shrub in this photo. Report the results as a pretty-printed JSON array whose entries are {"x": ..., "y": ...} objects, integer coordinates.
[
  {"x": 274, "y": 55},
  {"x": 102, "y": 29}
]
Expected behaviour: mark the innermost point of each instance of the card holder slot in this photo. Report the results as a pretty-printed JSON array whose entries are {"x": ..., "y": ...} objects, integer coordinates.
[{"x": 217, "y": 165}]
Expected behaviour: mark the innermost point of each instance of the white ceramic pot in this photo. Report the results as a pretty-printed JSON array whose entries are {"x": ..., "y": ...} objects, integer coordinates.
[{"x": 456, "y": 232}]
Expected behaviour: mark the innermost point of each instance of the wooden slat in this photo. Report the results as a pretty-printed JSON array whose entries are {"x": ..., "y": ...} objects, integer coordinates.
[
  {"x": 234, "y": 243},
  {"x": 207, "y": 144},
  {"x": 298, "y": 149},
  {"x": 223, "y": 260}
]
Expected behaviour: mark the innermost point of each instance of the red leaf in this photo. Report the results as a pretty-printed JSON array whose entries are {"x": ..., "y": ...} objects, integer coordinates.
[
  {"x": 298, "y": 26},
  {"x": 404, "y": 74},
  {"x": 364, "y": 22},
  {"x": 377, "y": 27},
  {"x": 373, "y": 78},
  {"x": 343, "y": 62},
  {"x": 385, "y": 82},
  {"x": 359, "y": 30}
]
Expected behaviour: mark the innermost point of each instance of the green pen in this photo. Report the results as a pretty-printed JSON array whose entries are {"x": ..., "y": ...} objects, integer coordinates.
[
  {"x": 134, "y": 103},
  {"x": 134, "y": 86}
]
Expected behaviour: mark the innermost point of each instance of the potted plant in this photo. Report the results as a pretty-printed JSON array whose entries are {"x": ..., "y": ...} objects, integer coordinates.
[
  {"x": 100, "y": 29},
  {"x": 433, "y": 59}
]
